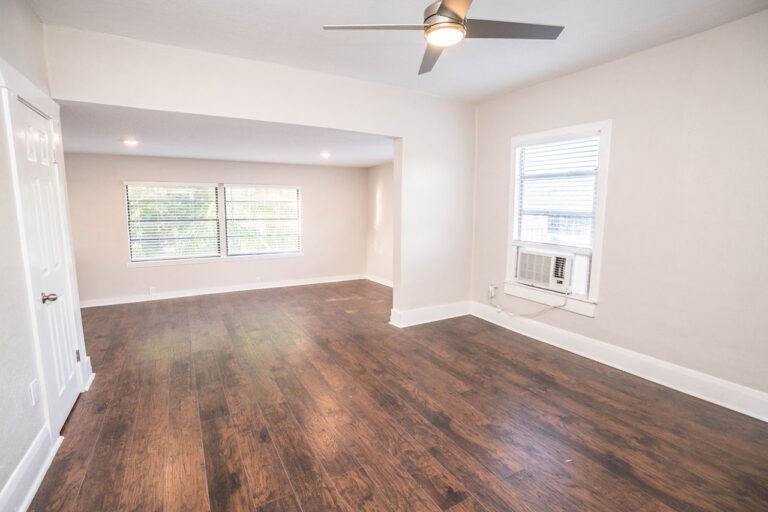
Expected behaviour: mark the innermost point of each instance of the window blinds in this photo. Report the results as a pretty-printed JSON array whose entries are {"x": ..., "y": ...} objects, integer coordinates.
[
  {"x": 262, "y": 220},
  {"x": 557, "y": 185},
  {"x": 169, "y": 222}
]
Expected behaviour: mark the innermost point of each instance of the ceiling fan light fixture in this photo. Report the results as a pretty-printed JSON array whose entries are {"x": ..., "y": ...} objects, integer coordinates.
[
  {"x": 446, "y": 34},
  {"x": 446, "y": 24}
]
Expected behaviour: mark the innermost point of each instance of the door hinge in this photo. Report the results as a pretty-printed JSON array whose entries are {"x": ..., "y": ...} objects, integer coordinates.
[{"x": 77, "y": 354}]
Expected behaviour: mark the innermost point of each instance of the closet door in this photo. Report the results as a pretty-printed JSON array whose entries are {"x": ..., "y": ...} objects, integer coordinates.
[{"x": 43, "y": 215}]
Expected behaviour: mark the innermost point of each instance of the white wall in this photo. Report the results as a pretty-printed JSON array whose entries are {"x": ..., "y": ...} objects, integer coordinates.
[
  {"x": 21, "y": 44},
  {"x": 334, "y": 214},
  {"x": 379, "y": 243},
  {"x": 21, "y": 41},
  {"x": 686, "y": 237},
  {"x": 433, "y": 169}
]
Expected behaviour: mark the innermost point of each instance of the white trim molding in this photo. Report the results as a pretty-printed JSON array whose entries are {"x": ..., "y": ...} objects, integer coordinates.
[
  {"x": 217, "y": 289},
  {"x": 88, "y": 374},
  {"x": 379, "y": 280},
  {"x": 213, "y": 259},
  {"x": 13, "y": 80},
  {"x": 565, "y": 302},
  {"x": 23, "y": 483},
  {"x": 91, "y": 377},
  {"x": 727, "y": 394},
  {"x": 409, "y": 317}
]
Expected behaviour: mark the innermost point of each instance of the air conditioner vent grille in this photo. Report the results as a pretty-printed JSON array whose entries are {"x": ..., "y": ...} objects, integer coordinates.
[
  {"x": 559, "y": 270},
  {"x": 534, "y": 268}
]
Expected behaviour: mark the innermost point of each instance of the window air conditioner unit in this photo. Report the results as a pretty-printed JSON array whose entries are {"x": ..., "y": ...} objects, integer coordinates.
[{"x": 550, "y": 270}]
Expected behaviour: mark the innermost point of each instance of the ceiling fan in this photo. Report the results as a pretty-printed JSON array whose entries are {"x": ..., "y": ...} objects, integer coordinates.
[{"x": 446, "y": 24}]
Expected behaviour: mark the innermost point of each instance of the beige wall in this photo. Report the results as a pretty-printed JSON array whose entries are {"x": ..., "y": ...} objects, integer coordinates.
[
  {"x": 379, "y": 241},
  {"x": 686, "y": 235},
  {"x": 21, "y": 41},
  {"x": 333, "y": 223},
  {"x": 21, "y": 45},
  {"x": 433, "y": 169}
]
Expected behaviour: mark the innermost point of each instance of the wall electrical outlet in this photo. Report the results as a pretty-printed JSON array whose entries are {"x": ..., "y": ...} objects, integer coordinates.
[
  {"x": 34, "y": 392},
  {"x": 491, "y": 290},
  {"x": 152, "y": 290}
]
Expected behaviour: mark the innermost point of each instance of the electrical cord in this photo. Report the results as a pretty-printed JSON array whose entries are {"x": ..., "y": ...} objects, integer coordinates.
[{"x": 500, "y": 309}]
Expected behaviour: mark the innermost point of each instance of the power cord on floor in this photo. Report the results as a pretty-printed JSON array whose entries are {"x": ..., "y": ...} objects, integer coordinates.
[{"x": 500, "y": 309}]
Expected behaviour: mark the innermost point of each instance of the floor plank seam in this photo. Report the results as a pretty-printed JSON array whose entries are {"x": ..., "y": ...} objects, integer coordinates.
[
  {"x": 236, "y": 434},
  {"x": 167, "y": 434},
  {"x": 133, "y": 434},
  {"x": 200, "y": 426}
]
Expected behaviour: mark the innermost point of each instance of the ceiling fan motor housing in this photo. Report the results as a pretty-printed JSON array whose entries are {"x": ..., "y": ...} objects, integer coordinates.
[
  {"x": 435, "y": 21},
  {"x": 432, "y": 16}
]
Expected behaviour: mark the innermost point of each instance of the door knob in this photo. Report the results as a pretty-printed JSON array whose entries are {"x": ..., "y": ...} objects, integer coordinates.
[{"x": 50, "y": 297}]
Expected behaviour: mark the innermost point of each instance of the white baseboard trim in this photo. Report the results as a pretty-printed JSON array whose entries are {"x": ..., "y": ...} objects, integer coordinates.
[
  {"x": 217, "y": 289},
  {"x": 701, "y": 385},
  {"x": 380, "y": 280},
  {"x": 87, "y": 373},
  {"x": 20, "y": 489},
  {"x": 409, "y": 317},
  {"x": 89, "y": 382}
]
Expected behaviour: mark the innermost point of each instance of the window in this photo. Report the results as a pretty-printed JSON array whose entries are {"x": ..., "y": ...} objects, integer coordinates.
[
  {"x": 558, "y": 199},
  {"x": 262, "y": 220},
  {"x": 172, "y": 222},
  {"x": 557, "y": 185}
]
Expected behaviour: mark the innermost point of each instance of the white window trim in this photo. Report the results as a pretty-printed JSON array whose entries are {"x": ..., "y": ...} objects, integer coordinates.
[
  {"x": 223, "y": 256},
  {"x": 582, "y": 305},
  {"x": 169, "y": 184},
  {"x": 214, "y": 259}
]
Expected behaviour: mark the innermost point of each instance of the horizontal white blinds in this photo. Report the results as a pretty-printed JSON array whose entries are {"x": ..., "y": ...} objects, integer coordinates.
[
  {"x": 262, "y": 220},
  {"x": 557, "y": 191},
  {"x": 169, "y": 222}
]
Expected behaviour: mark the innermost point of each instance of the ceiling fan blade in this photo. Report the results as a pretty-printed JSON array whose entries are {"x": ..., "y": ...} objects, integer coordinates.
[
  {"x": 453, "y": 8},
  {"x": 492, "y": 29},
  {"x": 431, "y": 54},
  {"x": 373, "y": 27}
]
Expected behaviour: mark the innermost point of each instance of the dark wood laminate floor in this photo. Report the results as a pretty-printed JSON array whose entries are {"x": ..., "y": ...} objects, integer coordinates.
[{"x": 305, "y": 399}]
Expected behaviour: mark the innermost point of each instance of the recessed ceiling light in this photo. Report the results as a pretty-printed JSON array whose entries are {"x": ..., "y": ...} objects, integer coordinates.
[
  {"x": 325, "y": 154},
  {"x": 129, "y": 142}
]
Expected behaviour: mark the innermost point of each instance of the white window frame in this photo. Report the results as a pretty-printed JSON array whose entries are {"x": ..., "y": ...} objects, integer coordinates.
[
  {"x": 584, "y": 305},
  {"x": 223, "y": 215},
  {"x": 223, "y": 256}
]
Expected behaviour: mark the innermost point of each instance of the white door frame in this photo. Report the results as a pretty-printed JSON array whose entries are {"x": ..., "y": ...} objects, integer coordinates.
[{"x": 14, "y": 85}]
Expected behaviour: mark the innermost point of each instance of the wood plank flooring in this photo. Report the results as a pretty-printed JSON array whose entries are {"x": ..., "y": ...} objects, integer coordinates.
[{"x": 304, "y": 399}]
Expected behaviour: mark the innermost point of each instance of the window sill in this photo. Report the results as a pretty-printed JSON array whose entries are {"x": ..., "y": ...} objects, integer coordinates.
[
  {"x": 214, "y": 259},
  {"x": 574, "y": 305}
]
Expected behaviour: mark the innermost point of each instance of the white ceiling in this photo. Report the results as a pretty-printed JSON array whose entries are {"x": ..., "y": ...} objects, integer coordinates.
[
  {"x": 91, "y": 128},
  {"x": 289, "y": 32}
]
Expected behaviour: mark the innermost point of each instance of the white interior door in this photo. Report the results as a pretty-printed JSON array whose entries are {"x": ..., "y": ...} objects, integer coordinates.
[{"x": 43, "y": 218}]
